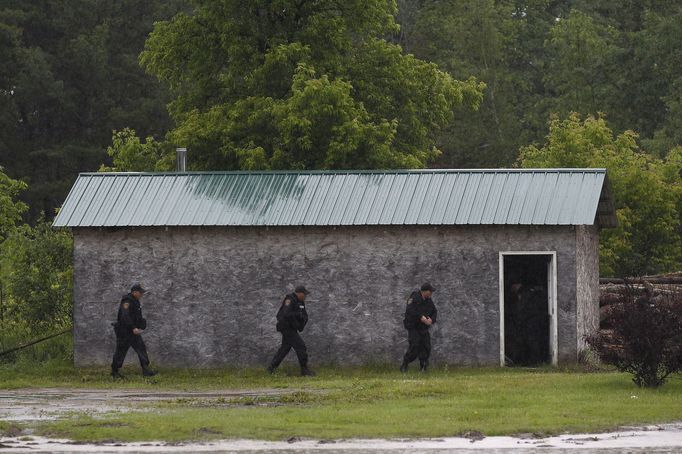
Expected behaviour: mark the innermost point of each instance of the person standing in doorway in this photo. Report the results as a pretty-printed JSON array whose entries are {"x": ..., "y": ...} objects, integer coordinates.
[
  {"x": 420, "y": 314},
  {"x": 128, "y": 328},
  {"x": 291, "y": 319}
]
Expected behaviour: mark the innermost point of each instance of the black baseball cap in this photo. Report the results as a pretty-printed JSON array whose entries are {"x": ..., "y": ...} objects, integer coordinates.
[
  {"x": 426, "y": 287},
  {"x": 301, "y": 289},
  {"x": 137, "y": 288}
]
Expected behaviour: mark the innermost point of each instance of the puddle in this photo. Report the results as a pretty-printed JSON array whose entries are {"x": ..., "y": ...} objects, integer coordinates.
[{"x": 655, "y": 439}]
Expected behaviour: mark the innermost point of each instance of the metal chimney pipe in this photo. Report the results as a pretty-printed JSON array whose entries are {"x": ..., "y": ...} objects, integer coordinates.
[{"x": 181, "y": 159}]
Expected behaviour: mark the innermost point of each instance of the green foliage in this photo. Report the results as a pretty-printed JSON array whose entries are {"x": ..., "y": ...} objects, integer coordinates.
[
  {"x": 647, "y": 192},
  {"x": 292, "y": 84},
  {"x": 69, "y": 76},
  {"x": 37, "y": 278},
  {"x": 130, "y": 154},
  {"x": 10, "y": 209}
]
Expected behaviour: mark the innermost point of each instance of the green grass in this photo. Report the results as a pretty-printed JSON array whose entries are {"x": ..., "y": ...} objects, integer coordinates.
[{"x": 362, "y": 402}]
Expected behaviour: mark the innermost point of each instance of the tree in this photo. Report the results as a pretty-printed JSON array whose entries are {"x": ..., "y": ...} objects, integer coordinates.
[
  {"x": 130, "y": 154},
  {"x": 69, "y": 76},
  {"x": 11, "y": 209},
  {"x": 292, "y": 84},
  {"x": 647, "y": 192},
  {"x": 37, "y": 276},
  {"x": 582, "y": 62}
]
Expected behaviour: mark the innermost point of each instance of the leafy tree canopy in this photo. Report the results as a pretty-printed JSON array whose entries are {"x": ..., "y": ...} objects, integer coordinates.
[
  {"x": 300, "y": 84},
  {"x": 647, "y": 191}
]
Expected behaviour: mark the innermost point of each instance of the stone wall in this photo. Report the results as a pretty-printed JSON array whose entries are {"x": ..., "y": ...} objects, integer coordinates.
[
  {"x": 587, "y": 284},
  {"x": 215, "y": 291}
]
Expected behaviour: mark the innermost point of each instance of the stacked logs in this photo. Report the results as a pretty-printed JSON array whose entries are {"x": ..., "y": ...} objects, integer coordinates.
[{"x": 612, "y": 290}]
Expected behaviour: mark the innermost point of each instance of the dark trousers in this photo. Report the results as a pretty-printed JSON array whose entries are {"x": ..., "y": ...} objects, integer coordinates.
[
  {"x": 291, "y": 339},
  {"x": 419, "y": 346},
  {"x": 122, "y": 346}
]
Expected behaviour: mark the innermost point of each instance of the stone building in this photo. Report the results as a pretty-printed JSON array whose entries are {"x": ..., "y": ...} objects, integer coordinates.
[{"x": 218, "y": 250}]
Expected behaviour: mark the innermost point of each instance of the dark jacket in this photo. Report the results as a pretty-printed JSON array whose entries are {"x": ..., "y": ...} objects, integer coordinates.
[
  {"x": 129, "y": 316},
  {"x": 416, "y": 307},
  {"x": 292, "y": 314}
]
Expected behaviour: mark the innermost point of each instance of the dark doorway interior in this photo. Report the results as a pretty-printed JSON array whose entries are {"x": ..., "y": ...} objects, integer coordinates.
[{"x": 526, "y": 310}]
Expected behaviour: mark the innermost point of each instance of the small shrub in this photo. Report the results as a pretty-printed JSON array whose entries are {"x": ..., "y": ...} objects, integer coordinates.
[{"x": 645, "y": 338}]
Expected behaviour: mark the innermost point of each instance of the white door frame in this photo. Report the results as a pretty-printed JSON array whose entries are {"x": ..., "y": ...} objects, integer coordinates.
[{"x": 552, "y": 294}]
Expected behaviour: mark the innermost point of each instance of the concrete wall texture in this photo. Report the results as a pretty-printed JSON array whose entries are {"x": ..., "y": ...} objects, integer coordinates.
[{"x": 215, "y": 291}]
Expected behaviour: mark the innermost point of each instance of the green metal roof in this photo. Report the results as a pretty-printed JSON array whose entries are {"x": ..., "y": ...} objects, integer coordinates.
[{"x": 331, "y": 198}]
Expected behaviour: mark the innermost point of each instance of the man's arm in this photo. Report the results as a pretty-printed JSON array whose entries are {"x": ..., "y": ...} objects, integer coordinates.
[{"x": 434, "y": 314}]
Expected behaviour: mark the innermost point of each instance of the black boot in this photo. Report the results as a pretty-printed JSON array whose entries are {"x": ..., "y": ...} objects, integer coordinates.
[
  {"x": 403, "y": 367},
  {"x": 148, "y": 372},
  {"x": 305, "y": 372},
  {"x": 116, "y": 375}
]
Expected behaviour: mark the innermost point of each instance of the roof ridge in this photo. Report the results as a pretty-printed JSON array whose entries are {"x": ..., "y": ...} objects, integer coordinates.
[{"x": 352, "y": 172}]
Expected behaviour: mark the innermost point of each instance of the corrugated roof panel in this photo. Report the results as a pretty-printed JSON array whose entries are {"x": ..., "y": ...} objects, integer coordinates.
[
  {"x": 455, "y": 199},
  {"x": 313, "y": 211},
  {"x": 518, "y": 198},
  {"x": 182, "y": 195},
  {"x": 216, "y": 202},
  {"x": 347, "y": 184},
  {"x": 532, "y": 198},
  {"x": 79, "y": 209},
  {"x": 98, "y": 199},
  {"x": 417, "y": 200},
  {"x": 589, "y": 195},
  {"x": 557, "y": 204},
  {"x": 481, "y": 198},
  {"x": 572, "y": 199},
  {"x": 355, "y": 200},
  {"x": 497, "y": 186},
  {"x": 259, "y": 196},
  {"x": 439, "y": 209},
  {"x": 281, "y": 188},
  {"x": 368, "y": 198},
  {"x": 66, "y": 213},
  {"x": 385, "y": 186},
  {"x": 436, "y": 197},
  {"x": 404, "y": 199},
  {"x": 198, "y": 187},
  {"x": 506, "y": 198},
  {"x": 433, "y": 192},
  {"x": 545, "y": 197},
  {"x": 467, "y": 202},
  {"x": 107, "y": 204}
]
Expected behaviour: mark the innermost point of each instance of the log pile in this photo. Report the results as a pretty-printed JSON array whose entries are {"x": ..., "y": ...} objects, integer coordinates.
[{"x": 612, "y": 290}]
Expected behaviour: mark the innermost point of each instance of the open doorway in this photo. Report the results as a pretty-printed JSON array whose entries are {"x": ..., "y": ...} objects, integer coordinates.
[{"x": 527, "y": 308}]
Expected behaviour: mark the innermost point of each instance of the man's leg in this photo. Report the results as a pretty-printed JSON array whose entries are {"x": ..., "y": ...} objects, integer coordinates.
[
  {"x": 141, "y": 349},
  {"x": 122, "y": 345},
  {"x": 301, "y": 350},
  {"x": 424, "y": 351},
  {"x": 412, "y": 349},
  {"x": 281, "y": 354}
]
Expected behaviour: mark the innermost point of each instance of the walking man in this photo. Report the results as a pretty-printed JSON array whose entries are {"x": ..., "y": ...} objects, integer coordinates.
[
  {"x": 420, "y": 314},
  {"x": 291, "y": 319},
  {"x": 128, "y": 328}
]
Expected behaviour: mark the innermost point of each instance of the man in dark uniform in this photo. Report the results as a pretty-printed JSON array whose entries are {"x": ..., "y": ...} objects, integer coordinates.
[
  {"x": 128, "y": 328},
  {"x": 291, "y": 319},
  {"x": 420, "y": 314}
]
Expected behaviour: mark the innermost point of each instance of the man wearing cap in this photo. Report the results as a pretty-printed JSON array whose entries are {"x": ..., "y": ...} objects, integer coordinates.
[
  {"x": 128, "y": 328},
  {"x": 420, "y": 314},
  {"x": 291, "y": 319}
]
